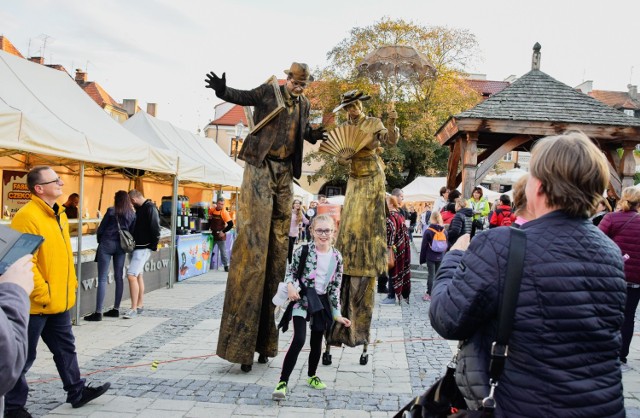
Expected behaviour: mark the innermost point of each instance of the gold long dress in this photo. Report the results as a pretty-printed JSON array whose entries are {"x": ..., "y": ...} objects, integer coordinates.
[{"x": 362, "y": 235}]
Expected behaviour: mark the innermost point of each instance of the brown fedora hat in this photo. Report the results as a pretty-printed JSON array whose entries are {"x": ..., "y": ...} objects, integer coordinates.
[
  {"x": 299, "y": 72},
  {"x": 350, "y": 97}
]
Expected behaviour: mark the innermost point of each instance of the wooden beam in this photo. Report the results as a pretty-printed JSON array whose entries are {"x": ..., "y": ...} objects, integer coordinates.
[
  {"x": 614, "y": 180},
  {"x": 612, "y": 155},
  {"x": 540, "y": 128},
  {"x": 495, "y": 156},
  {"x": 469, "y": 163},
  {"x": 627, "y": 164},
  {"x": 452, "y": 167},
  {"x": 447, "y": 131}
]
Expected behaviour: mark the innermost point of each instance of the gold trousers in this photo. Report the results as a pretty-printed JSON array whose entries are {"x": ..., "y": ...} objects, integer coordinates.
[
  {"x": 357, "y": 296},
  {"x": 258, "y": 263}
]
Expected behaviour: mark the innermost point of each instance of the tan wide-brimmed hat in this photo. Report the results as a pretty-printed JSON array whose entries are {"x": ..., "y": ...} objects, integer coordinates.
[
  {"x": 350, "y": 97},
  {"x": 299, "y": 72}
]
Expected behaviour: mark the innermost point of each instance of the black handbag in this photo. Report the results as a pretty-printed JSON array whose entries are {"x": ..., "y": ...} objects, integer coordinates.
[
  {"x": 443, "y": 398},
  {"x": 127, "y": 243}
]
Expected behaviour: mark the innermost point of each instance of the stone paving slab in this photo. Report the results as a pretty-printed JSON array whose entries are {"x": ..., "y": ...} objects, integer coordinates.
[{"x": 178, "y": 331}]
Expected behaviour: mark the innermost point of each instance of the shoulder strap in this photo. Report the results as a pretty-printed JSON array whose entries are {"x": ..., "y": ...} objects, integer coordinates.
[
  {"x": 508, "y": 301},
  {"x": 626, "y": 223},
  {"x": 302, "y": 262},
  {"x": 115, "y": 215}
]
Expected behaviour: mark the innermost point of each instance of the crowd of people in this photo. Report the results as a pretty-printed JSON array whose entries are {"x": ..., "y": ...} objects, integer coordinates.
[{"x": 574, "y": 315}]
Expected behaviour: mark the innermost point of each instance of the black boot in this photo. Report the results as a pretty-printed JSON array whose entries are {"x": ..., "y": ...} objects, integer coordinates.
[{"x": 96, "y": 316}]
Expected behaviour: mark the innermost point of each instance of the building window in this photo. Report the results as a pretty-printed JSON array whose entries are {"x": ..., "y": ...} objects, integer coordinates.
[
  {"x": 333, "y": 191},
  {"x": 508, "y": 157},
  {"x": 629, "y": 112}
]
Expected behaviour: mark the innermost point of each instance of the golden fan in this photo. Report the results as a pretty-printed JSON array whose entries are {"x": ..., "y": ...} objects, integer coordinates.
[{"x": 344, "y": 141}]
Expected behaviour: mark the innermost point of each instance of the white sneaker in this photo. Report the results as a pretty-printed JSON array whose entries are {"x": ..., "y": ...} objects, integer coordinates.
[{"x": 131, "y": 313}]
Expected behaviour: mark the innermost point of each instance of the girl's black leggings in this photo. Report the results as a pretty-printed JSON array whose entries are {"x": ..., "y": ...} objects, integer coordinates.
[{"x": 299, "y": 336}]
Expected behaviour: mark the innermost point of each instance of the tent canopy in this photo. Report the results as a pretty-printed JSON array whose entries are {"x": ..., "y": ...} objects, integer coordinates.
[
  {"x": 424, "y": 189},
  {"x": 200, "y": 160},
  {"x": 43, "y": 111}
]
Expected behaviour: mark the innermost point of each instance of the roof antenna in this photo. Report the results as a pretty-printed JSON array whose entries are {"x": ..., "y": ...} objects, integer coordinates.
[{"x": 535, "y": 60}]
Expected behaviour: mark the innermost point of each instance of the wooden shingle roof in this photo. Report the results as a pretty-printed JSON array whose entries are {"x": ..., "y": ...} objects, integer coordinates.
[{"x": 537, "y": 96}]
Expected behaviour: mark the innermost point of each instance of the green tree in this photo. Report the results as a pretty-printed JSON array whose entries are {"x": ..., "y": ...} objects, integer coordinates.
[{"x": 423, "y": 103}]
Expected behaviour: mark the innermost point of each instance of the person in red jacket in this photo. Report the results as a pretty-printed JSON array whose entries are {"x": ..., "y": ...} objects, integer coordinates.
[
  {"x": 623, "y": 227},
  {"x": 503, "y": 211}
]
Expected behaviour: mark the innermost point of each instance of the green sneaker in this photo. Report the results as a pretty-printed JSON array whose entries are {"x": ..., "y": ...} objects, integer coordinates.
[
  {"x": 316, "y": 383},
  {"x": 280, "y": 393}
]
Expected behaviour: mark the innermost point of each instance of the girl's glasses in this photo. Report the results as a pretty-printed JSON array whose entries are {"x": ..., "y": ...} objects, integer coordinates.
[{"x": 323, "y": 231}]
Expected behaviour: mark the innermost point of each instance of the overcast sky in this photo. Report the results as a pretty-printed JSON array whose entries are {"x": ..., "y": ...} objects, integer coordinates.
[{"x": 160, "y": 50}]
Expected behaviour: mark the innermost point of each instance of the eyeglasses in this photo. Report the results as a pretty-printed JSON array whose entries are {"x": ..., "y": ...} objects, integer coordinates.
[
  {"x": 323, "y": 231},
  {"x": 296, "y": 83},
  {"x": 58, "y": 181}
]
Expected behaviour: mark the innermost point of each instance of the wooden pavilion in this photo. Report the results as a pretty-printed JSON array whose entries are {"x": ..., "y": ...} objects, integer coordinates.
[{"x": 534, "y": 106}]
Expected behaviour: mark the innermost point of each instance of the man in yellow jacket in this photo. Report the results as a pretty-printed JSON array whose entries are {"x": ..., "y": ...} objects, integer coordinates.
[{"x": 53, "y": 295}]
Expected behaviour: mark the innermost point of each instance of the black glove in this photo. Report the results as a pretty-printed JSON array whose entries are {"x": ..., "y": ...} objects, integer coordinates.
[
  {"x": 219, "y": 85},
  {"x": 318, "y": 134}
]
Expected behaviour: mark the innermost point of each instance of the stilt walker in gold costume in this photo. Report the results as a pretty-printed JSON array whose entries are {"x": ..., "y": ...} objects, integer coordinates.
[
  {"x": 273, "y": 156},
  {"x": 362, "y": 234}
]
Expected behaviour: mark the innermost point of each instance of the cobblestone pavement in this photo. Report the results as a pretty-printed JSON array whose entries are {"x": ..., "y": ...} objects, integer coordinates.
[{"x": 163, "y": 364}]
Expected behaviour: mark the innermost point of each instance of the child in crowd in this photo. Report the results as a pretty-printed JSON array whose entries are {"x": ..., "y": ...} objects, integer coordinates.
[
  {"x": 322, "y": 276},
  {"x": 432, "y": 253}
]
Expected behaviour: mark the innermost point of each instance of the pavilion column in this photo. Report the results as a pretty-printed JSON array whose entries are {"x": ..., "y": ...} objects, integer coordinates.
[
  {"x": 627, "y": 164},
  {"x": 469, "y": 164}
]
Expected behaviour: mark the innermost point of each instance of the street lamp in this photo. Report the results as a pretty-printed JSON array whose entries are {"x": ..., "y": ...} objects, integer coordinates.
[{"x": 238, "y": 139}]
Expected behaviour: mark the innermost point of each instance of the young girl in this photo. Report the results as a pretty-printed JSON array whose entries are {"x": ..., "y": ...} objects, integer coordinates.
[
  {"x": 428, "y": 255},
  {"x": 323, "y": 272}
]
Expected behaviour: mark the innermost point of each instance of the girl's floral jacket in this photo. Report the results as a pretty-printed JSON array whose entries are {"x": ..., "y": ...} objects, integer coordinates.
[{"x": 309, "y": 275}]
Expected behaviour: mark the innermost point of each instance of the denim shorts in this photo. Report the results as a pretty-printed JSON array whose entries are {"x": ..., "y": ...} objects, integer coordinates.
[{"x": 137, "y": 259}]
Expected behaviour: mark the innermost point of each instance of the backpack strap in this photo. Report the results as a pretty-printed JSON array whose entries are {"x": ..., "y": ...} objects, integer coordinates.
[{"x": 303, "y": 261}]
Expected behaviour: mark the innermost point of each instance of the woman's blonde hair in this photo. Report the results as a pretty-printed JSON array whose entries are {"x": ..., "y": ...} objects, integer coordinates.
[
  {"x": 630, "y": 199},
  {"x": 392, "y": 202},
  {"x": 572, "y": 171},
  {"x": 298, "y": 211},
  {"x": 436, "y": 218},
  {"x": 519, "y": 195},
  {"x": 323, "y": 218}
]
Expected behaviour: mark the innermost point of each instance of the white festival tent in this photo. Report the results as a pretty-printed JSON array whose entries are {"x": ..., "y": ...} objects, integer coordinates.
[
  {"x": 306, "y": 196},
  {"x": 424, "y": 189},
  {"x": 46, "y": 118},
  {"x": 336, "y": 200},
  {"x": 43, "y": 111},
  {"x": 201, "y": 160}
]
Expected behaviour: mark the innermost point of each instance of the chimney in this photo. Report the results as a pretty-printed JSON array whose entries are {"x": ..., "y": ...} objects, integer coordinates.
[
  {"x": 37, "y": 60},
  {"x": 633, "y": 91},
  {"x": 81, "y": 76},
  {"x": 535, "y": 60},
  {"x": 152, "y": 108},
  {"x": 131, "y": 106},
  {"x": 586, "y": 87}
]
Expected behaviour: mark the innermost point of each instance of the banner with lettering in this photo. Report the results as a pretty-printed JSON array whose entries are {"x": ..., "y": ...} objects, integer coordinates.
[{"x": 15, "y": 192}]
